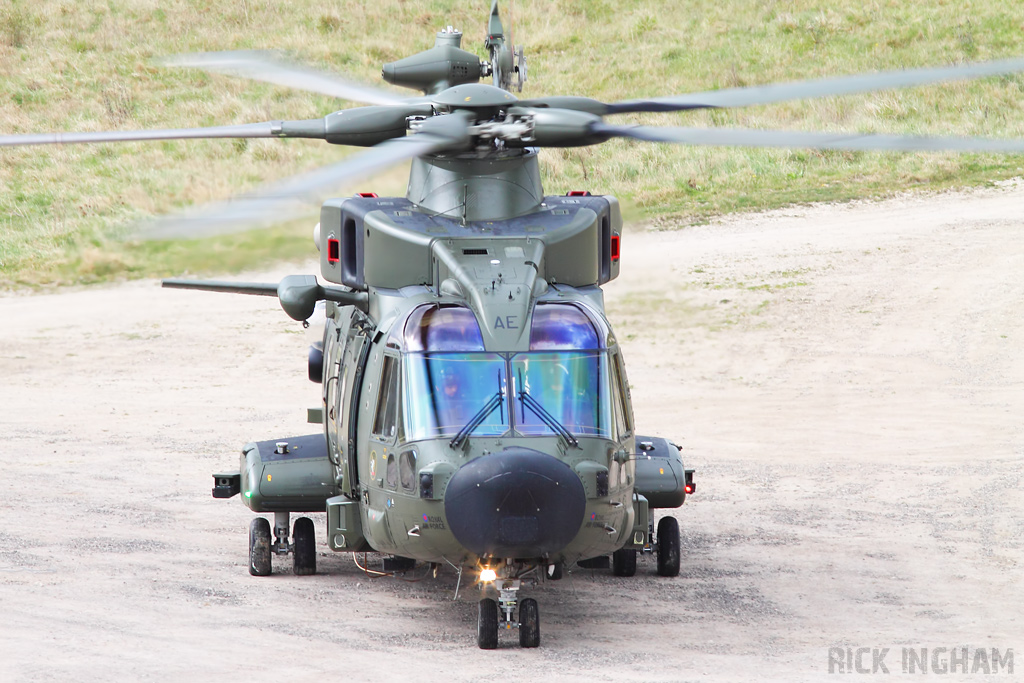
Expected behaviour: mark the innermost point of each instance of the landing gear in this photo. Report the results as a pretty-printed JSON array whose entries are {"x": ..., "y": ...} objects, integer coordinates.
[
  {"x": 529, "y": 623},
  {"x": 500, "y": 615},
  {"x": 397, "y": 563},
  {"x": 668, "y": 547},
  {"x": 304, "y": 548},
  {"x": 261, "y": 548},
  {"x": 487, "y": 625},
  {"x": 555, "y": 571},
  {"x": 624, "y": 562}
]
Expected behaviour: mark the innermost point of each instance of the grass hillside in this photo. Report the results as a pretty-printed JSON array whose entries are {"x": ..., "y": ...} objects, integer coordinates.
[{"x": 79, "y": 65}]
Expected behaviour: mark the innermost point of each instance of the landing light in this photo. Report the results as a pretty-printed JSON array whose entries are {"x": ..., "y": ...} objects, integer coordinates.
[{"x": 488, "y": 575}]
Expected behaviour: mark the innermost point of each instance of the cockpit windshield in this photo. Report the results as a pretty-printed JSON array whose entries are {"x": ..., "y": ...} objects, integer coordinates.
[
  {"x": 569, "y": 388},
  {"x": 444, "y": 391},
  {"x": 453, "y": 388}
]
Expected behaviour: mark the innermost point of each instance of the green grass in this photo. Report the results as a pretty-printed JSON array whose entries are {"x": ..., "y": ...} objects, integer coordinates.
[{"x": 88, "y": 65}]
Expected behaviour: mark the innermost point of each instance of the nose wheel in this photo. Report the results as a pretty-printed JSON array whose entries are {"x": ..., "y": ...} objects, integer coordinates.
[
  {"x": 500, "y": 614},
  {"x": 487, "y": 625},
  {"x": 529, "y": 623}
]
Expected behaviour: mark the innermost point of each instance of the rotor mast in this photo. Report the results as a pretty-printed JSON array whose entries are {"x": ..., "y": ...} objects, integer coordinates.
[{"x": 491, "y": 181}]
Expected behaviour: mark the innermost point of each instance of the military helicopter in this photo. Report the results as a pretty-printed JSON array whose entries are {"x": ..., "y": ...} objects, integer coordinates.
[{"x": 475, "y": 408}]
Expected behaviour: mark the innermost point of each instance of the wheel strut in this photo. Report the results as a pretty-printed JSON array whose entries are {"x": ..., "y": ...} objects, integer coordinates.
[
  {"x": 281, "y": 523},
  {"x": 507, "y": 601}
]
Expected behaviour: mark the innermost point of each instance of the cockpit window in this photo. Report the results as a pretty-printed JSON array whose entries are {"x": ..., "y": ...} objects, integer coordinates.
[
  {"x": 562, "y": 327},
  {"x": 445, "y": 391},
  {"x": 452, "y": 388},
  {"x": 620, "y": 389},
  {"x": 392, "y": 472},
  {"x": 446, "y": 328},
  {"x": 385, "y": 419},
  {"x": 562, "y": 389}
]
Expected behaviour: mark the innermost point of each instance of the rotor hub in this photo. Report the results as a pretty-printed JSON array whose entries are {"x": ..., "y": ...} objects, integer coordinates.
[{"x": 475, "y": 96}]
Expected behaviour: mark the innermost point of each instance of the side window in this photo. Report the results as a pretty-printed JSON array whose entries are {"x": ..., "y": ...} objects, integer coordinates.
[
  {"x": 623, "y": 415},
  {"x": 392, "y": 473},
  {"x": 407, "y": 470},
  {"x": 385, "y": 420},
  {"x": 620, "y": 421}
]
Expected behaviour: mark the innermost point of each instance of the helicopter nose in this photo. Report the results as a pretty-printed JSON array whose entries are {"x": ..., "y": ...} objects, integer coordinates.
[{"x": 516, "y": 503}]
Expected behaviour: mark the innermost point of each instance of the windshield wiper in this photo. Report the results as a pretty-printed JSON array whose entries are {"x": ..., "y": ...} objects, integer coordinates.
[
  {"x": 496, "y": 401},
  {"x": 548, "y": 419}
]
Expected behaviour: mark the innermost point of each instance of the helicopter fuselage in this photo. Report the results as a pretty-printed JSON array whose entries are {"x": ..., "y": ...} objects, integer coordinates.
[
  {"x": 475, "y": 409},
  {"x": 457, "y": 337},
  {"x": 453, "y": 459}
]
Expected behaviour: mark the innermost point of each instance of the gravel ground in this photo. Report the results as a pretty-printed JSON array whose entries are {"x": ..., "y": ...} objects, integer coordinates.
[{"x": 846, "y": 379}]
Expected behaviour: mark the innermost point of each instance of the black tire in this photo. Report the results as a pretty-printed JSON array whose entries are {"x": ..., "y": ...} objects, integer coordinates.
[
  {"x": 529, "y": 623},
  {"x": 668, "y": 547},
  {"x": 624, "y": 562},
  {"x": 397, "y": 563},
  {"x": 304, "y": 547},
  {"x": 555, "y": 571},
  {"x": 487, "y": 625},
  {"x": 259, "y": 547}
]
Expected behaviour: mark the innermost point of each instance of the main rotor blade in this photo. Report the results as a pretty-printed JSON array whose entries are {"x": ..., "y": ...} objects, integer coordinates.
[
  {"x": 283, "y": 200},
  {"x": 843, "y": 85},
  {"x": 781, "y": 138},
  {"x": 255, "y": 288},
  {"x": 245, "y": 130},
  {"x": 268, "y": 67}
]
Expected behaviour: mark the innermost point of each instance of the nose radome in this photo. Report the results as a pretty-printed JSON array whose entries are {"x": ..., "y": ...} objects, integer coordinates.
[{"x": 516, "y": 503}]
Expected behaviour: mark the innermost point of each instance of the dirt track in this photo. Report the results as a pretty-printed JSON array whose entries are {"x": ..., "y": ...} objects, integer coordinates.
[{"x": 848, "y": 382}]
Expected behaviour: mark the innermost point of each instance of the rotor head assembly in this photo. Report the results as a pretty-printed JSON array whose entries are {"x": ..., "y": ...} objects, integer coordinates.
[{"x": 456, "y": 115}]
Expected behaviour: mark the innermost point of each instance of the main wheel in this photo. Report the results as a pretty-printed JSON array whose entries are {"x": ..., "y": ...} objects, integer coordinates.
[
  {"x": 555, "y": 571},
  {"x": 624, "y": 562},
  {"x": 397, "y": 563},
  {"x": 487, "y": 625},
  {"x": 668, "y": 547},
  {"x": 529, "y": 623},
  {"x": 304, "y": 547},
  {"x": 259, "y": 547}
]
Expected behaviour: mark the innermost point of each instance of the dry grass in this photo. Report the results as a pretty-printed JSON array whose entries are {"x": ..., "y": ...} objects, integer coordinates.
[{"x": 87, "y": 65}]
